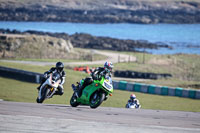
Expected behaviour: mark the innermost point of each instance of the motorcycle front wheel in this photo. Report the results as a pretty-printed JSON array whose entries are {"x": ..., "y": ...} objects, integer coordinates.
[
  {"x": 73, "y": 101},
  {"x": 96, "y": 99},
  {"x": 44, "y": 94}
]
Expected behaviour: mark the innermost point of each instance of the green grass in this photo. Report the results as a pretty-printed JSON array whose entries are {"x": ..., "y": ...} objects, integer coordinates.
[
  {"x": 32, "y": 68},
  {"x": 156, "y": 102},
  {"x": 46, "y": 60},
  {"x": 184, "y": 68},
  {"x": 13, "y": 90},
  {"x": 83, "y": 56},
  {"x": 26, "y": 92}
]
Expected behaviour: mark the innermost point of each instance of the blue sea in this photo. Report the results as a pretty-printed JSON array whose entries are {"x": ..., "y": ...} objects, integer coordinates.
[{"x": 184, "y": 38}]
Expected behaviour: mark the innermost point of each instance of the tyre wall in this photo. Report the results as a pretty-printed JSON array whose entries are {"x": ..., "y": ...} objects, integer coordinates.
[
  {"x": 20, "y": 75},
  {"x": 157, "y": 90},
  {"x": 142, "y": 75}
]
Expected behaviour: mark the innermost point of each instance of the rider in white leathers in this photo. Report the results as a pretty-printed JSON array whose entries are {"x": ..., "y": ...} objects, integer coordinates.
[
  {"x": 133, "y": 102},
  {"x": 59, "y": 68}
]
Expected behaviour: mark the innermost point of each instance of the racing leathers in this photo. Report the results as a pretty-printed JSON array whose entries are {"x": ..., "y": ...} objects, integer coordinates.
[
  {"x": 133, "y": 102},
  {"x": 95, "y": 75},
  {"x": 60, "y": 89},
  {"x": 99, "y": 72}
]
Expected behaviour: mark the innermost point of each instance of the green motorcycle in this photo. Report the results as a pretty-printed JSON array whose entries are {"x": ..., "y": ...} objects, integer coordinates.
[{"x": 93, "y": 94}]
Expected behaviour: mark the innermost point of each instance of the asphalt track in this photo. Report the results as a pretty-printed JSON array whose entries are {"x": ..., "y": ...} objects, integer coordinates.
[{"x": 43, "y": 118}]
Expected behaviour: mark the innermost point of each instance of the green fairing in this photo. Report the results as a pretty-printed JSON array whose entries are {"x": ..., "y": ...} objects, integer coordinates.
[{"x": 90, "y": 89}]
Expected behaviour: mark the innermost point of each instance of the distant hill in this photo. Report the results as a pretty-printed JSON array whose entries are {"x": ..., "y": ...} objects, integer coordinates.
[{"x": 101, "y": 11}]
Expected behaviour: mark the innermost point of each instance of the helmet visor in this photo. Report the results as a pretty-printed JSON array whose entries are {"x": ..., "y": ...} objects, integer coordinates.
[{"x": 60, "y": 69}]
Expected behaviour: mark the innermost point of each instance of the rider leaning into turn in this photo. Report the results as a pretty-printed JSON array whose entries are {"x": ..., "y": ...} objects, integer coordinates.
[
  {"x": 96, "y": 75},
  {"x": 59, "y": 68}
]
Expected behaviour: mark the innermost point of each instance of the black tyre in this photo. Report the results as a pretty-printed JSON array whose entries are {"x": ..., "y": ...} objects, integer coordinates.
[
  {"x": 96, "y": 99},
  {"x": 37, "y": 100},
  {"x": 73, "y": 101},
  {"x": 44, "y": 93}
]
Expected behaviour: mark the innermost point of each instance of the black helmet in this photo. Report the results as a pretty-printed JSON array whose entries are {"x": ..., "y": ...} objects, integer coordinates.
[{"x": 59, "y": 66}]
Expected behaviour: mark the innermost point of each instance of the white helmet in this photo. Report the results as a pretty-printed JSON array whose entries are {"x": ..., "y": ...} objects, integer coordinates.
[{"x": 132, "y": 96}]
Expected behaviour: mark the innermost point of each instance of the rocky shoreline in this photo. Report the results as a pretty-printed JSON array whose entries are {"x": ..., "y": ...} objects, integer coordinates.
[
  {"x": 102, "y": 11},
  {"x": 82, "y": 40}
]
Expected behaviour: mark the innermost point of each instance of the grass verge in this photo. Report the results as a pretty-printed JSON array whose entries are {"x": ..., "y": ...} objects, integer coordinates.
[
  {"x": 26, "y": 92},
  {"x": 184, "y": 68}
]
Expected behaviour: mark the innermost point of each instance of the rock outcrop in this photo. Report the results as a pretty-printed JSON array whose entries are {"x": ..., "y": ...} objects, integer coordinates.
[
  {"x": 89, "y": 41},
  {"x": 82, "y": 40},
  {"x": 33, "y": 46},
  {"x": 102, "y": 11}
]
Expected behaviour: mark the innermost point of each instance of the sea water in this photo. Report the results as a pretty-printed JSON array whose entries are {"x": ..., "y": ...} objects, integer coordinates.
[{"x": 184, "y": 38}]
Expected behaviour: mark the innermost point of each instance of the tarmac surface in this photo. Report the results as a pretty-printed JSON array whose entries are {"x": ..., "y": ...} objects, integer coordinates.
[{"x": 43, "y": 118}]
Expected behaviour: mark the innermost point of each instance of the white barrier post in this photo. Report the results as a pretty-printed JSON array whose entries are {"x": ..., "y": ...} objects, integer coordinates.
[{"x": 37, "y": 78}]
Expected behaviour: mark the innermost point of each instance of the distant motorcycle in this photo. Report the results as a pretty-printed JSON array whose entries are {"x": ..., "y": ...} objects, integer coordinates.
[
  {"x": 93, "y": 94},
  {"x": 133, "y": 106},
  {"x": 49, "y": 87}
]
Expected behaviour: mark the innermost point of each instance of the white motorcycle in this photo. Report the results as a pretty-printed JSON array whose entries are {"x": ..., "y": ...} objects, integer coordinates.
[
  {"x": 133, "y": 106},
  {"x": 49, "y": 87}
]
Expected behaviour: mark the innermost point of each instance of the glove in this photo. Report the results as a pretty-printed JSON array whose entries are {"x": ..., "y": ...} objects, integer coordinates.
[{"x": 100, "y": 76}]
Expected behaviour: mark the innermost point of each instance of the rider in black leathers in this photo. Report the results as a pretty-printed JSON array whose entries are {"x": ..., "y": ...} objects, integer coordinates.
[
  {"x": 96, "y": 75},
  {"x": 59, "y": 68}
]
